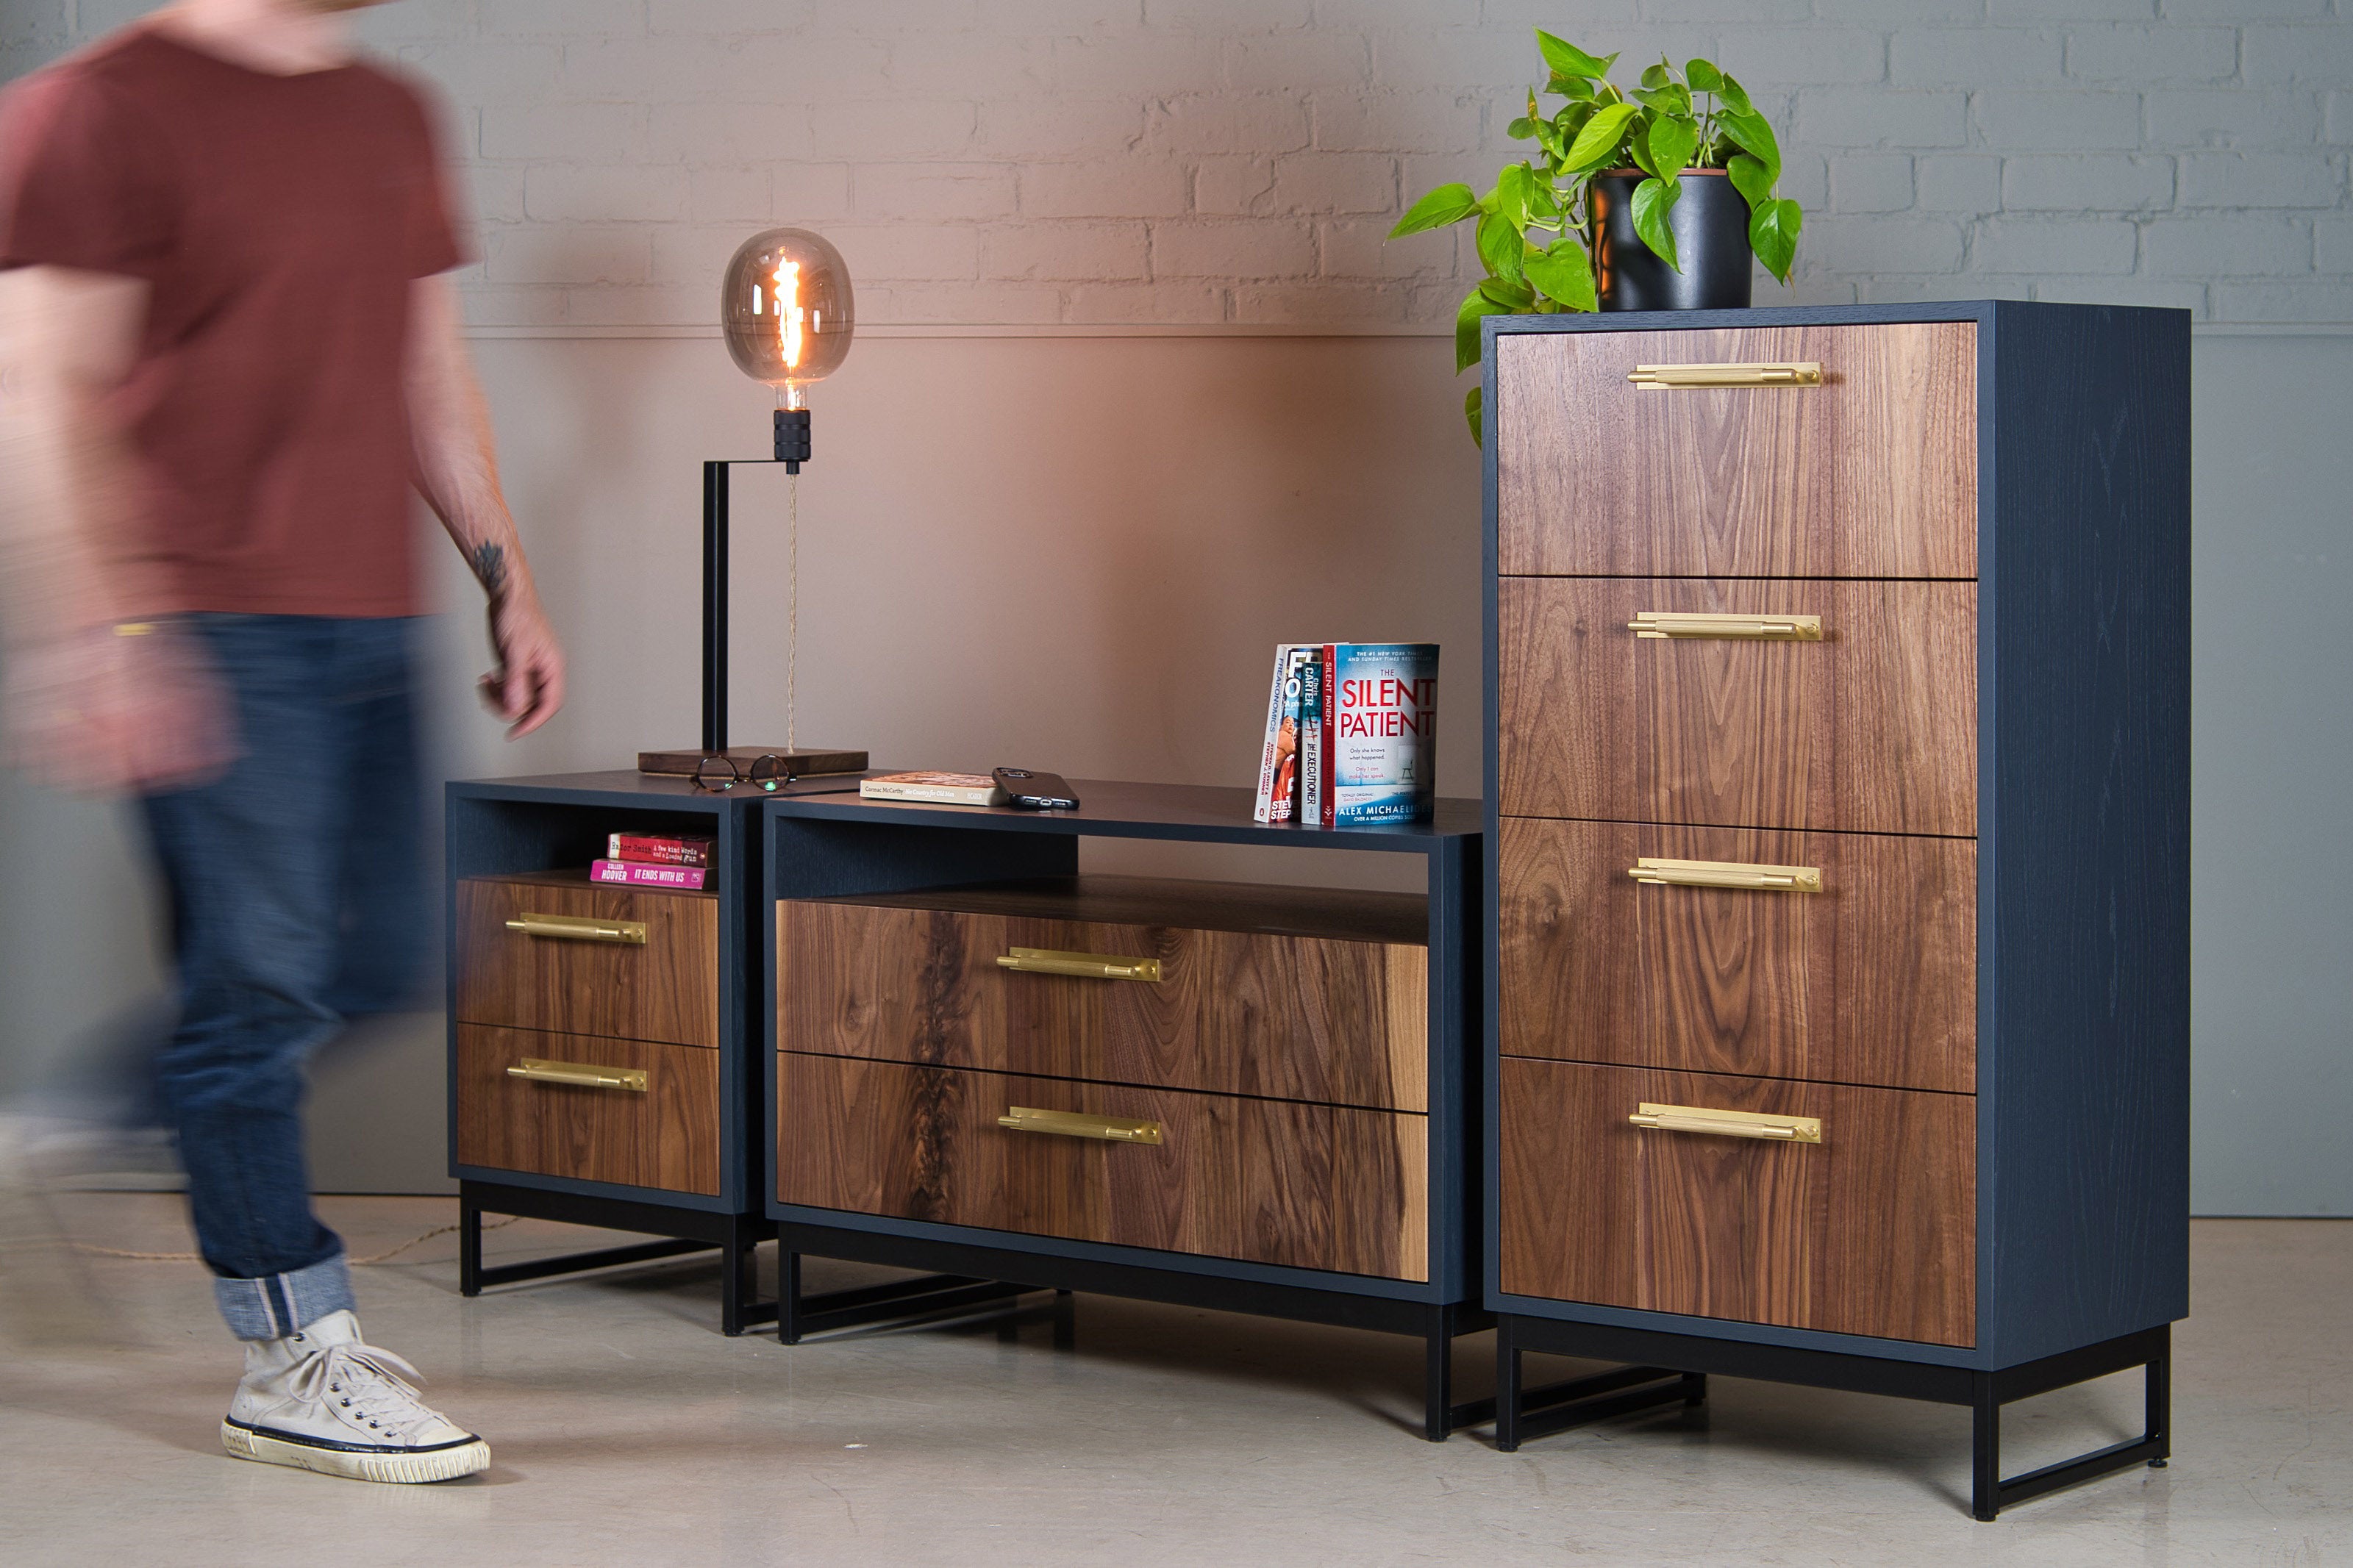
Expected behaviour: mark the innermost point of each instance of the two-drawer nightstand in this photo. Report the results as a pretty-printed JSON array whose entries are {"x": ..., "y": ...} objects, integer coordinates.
[
  {"x": 601, "y": 1066},
  {"x": 1839, "y": 848}
]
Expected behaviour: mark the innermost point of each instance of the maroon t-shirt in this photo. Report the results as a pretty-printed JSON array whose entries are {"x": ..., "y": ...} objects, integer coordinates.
[{"x": 278, "y": 221}]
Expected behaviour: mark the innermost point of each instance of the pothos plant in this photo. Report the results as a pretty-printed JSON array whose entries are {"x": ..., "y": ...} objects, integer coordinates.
[{"x": 1535, "y": 230}]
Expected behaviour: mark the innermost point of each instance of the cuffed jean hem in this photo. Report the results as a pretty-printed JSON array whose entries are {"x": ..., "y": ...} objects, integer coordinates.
[{"x": 277, "y": 1305}]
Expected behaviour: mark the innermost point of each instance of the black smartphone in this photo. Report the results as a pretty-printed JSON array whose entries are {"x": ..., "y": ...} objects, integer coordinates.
[{"x": 1036, "y": 792}]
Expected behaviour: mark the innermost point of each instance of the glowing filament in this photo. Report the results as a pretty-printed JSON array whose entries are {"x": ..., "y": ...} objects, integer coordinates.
[{"x": 789, "y": 314}]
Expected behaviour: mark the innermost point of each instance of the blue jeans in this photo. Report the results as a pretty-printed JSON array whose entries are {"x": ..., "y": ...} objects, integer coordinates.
[{"x": 297, "y": 902}]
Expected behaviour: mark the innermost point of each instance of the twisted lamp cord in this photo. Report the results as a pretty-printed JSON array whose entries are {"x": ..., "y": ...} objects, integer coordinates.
[{"x": 386, "y": 1256}]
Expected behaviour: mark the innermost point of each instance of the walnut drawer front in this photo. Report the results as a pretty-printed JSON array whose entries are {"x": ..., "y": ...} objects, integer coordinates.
[
  {"x": 664, "y": 988},
  {"x": 1291, "y": 1017},
  {"x": 555, "y": 1116},
  {"x": 1281, "y": 1182},
  {"x": 1871, "y": 474},
  {"x": 1870, "y": 1231},
  {"x": 1870, "y": 729},
  {"x": 1872, "y": 978}
]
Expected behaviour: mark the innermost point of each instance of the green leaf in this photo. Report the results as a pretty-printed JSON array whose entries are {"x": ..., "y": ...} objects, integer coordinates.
[
  {"x": 1637, "y": 146},
  {"x": 1571, "y": 87},
  {"x": 1653, "y": 200},
  {"x": 1520, "y": 129},
  {"x": 1471, "y": 406},
  {"x": 1515, "y": 193},
  {"x": 1702, "y": 76},
  {"x": 1751, "y": 178},
  {"x": 1565, "y": 272},
  {"x": 1447, "y": 204},
  {"x": 1475, "y": 305},
  {"x": 1773, "y": 234},
  {"x": 1514, "y": 297},
  {"x": 1658, "y": 74},
  {"x": 1501, "y": 246},
  {"x": 1548, "y": 137},
  {"x": 1566, "y": 60},
  {"x": 1752, "y": 135},
  {"x": 1671, "y": 99},
  {"x": 1673, "y": 141},
  {"x": 1735, "y": 96},
  {"x": 1601, "y": 136}
]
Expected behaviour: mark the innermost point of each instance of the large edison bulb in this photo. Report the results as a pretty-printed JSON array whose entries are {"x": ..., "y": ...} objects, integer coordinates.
[{"x": 784, "y": 308}]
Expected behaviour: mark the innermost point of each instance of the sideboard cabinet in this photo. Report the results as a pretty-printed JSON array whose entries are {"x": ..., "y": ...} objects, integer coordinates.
[
  {"x": 1253, "y": 1097},
  {"x": 1838, "y": 852}
]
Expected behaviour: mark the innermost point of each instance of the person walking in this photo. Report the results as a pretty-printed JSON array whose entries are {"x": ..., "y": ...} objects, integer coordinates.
[{"x": 227, "y": 352}]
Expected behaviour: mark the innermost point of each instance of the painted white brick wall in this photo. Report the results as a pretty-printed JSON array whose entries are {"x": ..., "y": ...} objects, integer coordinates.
[{"x": 1237, "y": 161}]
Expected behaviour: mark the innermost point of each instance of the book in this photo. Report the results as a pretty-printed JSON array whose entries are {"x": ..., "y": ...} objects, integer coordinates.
[
  {"x": 658, "y": 849},
  {"x": 1278, "y": 772},
  {"x": 1382, "y": 733},
  {"x": 636, "y": 874},
  {"x": 944, "y": 789},
  {"x": 1312, "y": 748}
]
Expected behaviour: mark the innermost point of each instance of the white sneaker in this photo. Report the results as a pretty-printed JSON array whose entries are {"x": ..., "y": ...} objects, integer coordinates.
[{"x": 324, "y": 1400}]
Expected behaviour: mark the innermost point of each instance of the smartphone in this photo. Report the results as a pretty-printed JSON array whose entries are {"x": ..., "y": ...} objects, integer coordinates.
[{"x": 1037, "y": 792}]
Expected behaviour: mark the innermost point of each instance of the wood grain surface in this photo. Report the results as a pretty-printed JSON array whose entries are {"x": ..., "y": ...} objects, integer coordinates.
[
  {"x": 1266, "y": 1181},
  {"x": 1872, "y": 474},
  {"x": 666, "y": 1137},
  {"x": 1871, "y": 1231},
  {"x": 1873, "y": 980},
  {"x": 1291, "y": 1017},
  {"x": 1871, "y": 730},
  {"x": 1341, "y": 914},
  {"x": 667, "y": 990}
]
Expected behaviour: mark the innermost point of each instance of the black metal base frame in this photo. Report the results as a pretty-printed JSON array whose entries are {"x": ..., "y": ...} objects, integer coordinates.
[
  {"x": 735, "y": 1236},
  {"x": 1522, "y": 1413},
  {"x": 981, "y": 1274}
]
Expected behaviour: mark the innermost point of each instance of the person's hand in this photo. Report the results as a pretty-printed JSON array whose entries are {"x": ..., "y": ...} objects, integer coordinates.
[
  {"x": 108, "y": 711},
  {"x": 527, "y": 687}
]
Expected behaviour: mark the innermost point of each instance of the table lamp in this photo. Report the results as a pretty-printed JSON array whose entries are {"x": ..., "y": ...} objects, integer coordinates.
[{"x": 785, "y": 310}]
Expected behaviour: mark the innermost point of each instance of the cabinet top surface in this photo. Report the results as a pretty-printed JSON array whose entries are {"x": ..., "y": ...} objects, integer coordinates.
[
  {"x": 1764, "y": 316},
  {"x": 628, "y": 787},
  {"x": 1113, "y": 809}
]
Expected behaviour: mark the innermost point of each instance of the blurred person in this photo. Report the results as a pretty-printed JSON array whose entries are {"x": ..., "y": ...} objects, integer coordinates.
[{"x": 226, "y": 356}]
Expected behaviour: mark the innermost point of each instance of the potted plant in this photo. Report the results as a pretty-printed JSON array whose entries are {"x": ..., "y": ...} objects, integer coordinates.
[{"x": 1653, "y": 199}]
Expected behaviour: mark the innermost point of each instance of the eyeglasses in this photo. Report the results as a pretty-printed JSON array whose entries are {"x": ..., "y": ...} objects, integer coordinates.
[{"x": 767, "y": 772}]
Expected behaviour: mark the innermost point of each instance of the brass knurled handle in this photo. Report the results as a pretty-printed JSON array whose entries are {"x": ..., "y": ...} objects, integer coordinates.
[
  {"x": 1727, "y": 1123},
  {"x": 1746, "y": 629},
  {"x": 1726, "y": 874},
  {"x": 1777, "y": 372},
  {"x": 1078, "y": 1124},
  {"x": 1084, "y": 965},
  {"x": 579, "y": 1074},
  {"x": 581, "y": 928}
]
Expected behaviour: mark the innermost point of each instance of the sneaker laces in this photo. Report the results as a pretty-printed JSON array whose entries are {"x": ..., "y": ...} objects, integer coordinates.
[{"x": 368, "y": 1383}]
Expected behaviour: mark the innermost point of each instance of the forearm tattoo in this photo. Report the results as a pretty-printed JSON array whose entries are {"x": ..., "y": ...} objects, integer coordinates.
[{"x": 490, "y": 566}]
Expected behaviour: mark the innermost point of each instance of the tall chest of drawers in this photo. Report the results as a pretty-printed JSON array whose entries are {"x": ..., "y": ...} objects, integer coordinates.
[{"x": 1838, "y": 783}]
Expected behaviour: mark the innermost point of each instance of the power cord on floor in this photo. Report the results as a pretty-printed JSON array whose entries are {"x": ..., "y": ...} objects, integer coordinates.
[{"x": 382, "y": 1256}]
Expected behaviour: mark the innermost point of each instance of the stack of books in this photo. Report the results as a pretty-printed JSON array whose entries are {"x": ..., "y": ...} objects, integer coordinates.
[
  {"x": 1351, "y": 734},
  {"x": 653, "y": 860}
]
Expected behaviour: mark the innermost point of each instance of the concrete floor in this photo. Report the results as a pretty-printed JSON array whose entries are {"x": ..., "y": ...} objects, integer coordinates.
[{"x": 626, "y": 1430}]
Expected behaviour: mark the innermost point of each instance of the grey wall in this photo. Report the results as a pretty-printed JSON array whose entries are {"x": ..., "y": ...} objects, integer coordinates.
[{"x": 1136, "y": 375}]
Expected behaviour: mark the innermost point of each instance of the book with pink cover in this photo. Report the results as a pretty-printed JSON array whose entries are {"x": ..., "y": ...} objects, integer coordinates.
[{"x": 635, "y": 874}]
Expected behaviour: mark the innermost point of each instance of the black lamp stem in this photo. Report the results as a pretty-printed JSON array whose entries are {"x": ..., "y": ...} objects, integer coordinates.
[{"x": 714, "y": 608}]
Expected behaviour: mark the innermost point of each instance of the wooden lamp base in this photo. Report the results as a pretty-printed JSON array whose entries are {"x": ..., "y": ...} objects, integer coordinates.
[{"x": 684, "y": 761}]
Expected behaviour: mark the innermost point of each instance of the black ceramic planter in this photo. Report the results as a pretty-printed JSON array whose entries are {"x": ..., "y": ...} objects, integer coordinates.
[{"x": 1711, "y": 226}]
